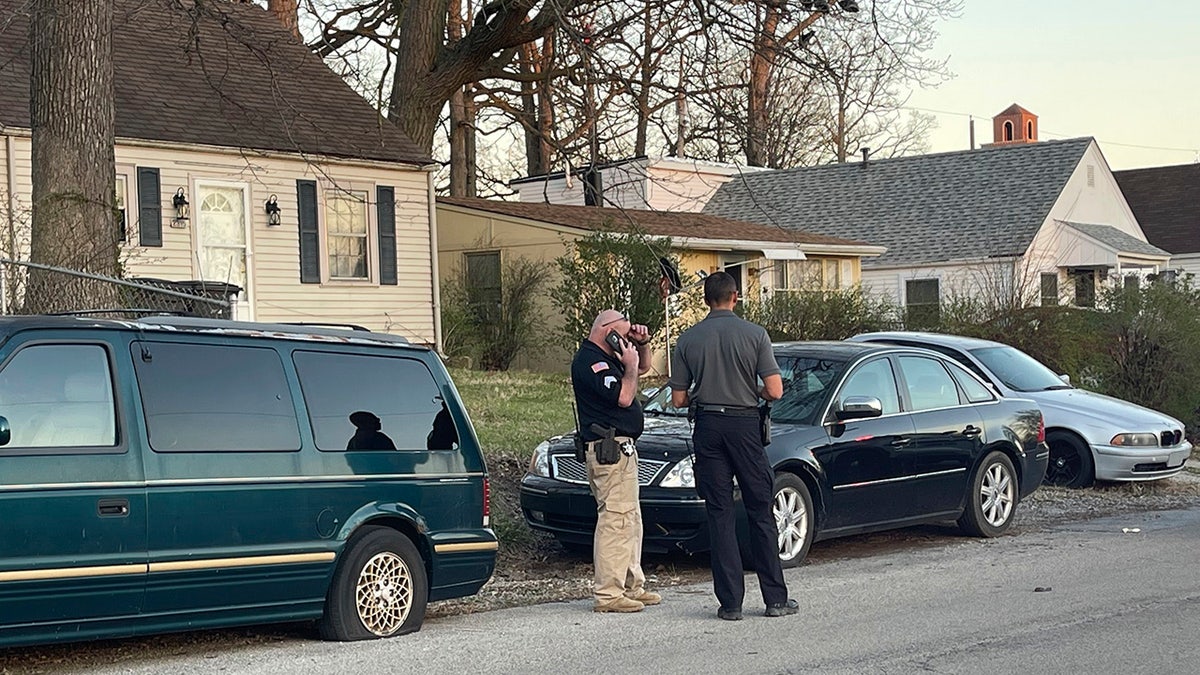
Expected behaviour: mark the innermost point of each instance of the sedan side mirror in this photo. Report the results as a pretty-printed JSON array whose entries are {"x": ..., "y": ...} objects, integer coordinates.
[
  {"x": 5, "y": 431},
  {"x": 859, "y": 407}
]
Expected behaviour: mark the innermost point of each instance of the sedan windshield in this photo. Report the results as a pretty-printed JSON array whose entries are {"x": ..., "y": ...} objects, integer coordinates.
[
  {"x": 659, "y": 403},
  {"x": 807, "y": 385},
  {"x": 1018, "y": 370}
]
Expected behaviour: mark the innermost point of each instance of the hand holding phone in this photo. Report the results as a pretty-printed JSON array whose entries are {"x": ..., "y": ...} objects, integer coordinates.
[{"x": 615, "y": 341}]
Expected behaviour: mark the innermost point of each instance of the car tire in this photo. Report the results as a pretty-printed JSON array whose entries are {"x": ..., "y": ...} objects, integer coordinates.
[
  {"x": 792, "y": 507},
  {"x": 379, "y": 588},
  {"x": 1071, "y": 464},
  {"x": 992, "y": 500}
]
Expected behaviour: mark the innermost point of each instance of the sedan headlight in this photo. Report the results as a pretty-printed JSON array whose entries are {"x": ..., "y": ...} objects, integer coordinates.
[
  {"x": 1137, "y": 440},
  {"x": 680, "y": 475},
  {"x": 539, "y": 464}
]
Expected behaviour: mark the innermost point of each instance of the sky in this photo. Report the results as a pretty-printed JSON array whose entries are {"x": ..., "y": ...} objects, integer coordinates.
[{"x": 1126, "y": 73}]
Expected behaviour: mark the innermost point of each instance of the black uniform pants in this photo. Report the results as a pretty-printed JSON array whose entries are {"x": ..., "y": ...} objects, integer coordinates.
[{"x": 728, "y": 446}]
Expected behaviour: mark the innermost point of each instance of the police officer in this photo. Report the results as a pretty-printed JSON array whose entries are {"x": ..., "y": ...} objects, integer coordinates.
[
  {"x": 604, "y": 375},
  {"x": 720, "y": 360}
]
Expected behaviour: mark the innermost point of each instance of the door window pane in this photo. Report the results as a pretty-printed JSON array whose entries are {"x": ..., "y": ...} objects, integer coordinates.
[
  {"x": 58, "y": 396},
  {"x": 975, "y": 390},
  {"x": 929, "y": 385},
  {"x": 215, "y": 398},
  {"x": 873, "y": 378},
  {"x": 359, "y": 402}
]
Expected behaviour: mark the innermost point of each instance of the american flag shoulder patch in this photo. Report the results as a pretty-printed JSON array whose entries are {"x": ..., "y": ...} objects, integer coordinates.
[{"x": 599, "y": 366}]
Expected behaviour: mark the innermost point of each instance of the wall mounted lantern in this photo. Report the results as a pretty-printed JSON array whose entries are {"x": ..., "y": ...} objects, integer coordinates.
[
  {"x": 273, "y": 213},
  {"x": 180, "y": 202}
]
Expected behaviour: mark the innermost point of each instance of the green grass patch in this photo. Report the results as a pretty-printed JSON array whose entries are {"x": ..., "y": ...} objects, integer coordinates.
[{"x": 514, "y": 411}]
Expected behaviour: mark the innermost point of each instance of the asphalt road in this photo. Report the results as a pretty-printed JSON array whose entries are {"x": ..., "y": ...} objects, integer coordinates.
[{"x": 1117, "y": 595}]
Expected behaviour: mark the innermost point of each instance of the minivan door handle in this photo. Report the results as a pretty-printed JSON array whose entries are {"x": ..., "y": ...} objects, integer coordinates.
[{"x": 113, "y": 508}]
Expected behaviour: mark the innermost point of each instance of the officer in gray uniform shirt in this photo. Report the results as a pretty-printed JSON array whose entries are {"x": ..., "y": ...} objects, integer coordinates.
[{"x": 716, "y": 367}]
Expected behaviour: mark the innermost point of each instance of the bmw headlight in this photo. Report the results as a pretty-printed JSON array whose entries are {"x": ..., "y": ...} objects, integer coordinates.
[
  {"x": 539, "y": 464},
  {"x": 680, "y": 475},
  {"x": 1135, "y": 440}
]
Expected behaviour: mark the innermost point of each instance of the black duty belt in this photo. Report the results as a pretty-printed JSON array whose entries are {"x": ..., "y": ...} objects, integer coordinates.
[{"x": 734, "y": 410}]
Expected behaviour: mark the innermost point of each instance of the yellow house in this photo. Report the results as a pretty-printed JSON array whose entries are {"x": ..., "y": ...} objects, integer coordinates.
[
  {"x": 297, "y": 191},
  {"x": 475, "y": 236}
]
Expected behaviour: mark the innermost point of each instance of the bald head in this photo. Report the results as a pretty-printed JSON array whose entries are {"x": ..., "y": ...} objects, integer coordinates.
[{"x": 606, "y": 319}]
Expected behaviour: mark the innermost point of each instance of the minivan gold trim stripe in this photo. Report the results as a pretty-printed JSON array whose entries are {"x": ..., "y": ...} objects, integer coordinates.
[
  {"x": 219, "y": 563},
  {"x": 469, "y": 546},
  {"x": 71, "y": 572}
]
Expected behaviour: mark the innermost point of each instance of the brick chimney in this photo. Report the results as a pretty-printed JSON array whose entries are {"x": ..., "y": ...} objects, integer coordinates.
[{"x": 1014, "y": 125}]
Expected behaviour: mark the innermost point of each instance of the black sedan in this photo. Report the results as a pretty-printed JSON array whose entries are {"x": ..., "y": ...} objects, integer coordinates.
[{"x": 866, "y": 437}]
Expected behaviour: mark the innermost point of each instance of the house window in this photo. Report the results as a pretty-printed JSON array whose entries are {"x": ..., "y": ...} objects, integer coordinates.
[
  {"x": 1008, "y": 131},
  {"x": 782, "y": 282},
  {"x": 347, "y": 232},
  {"x": 120, "y": 199},
  {"x": 484, "y": 284},
  {"x": 922, "y": 303},
  {"x": 1029, "y": 130},
  {"x": 1131, "y": 282},
  {"x": 1085, "y": 288},
  {"x": 1049, "y": 290},
  {"x": 832, "y": 277}
]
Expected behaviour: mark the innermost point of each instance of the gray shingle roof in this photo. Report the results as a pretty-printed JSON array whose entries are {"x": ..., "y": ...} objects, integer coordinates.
[
  {"x": 924, "y": 208},
  {"x": 1166, "y": 201},
  {"x": 1121, "y": 241}
]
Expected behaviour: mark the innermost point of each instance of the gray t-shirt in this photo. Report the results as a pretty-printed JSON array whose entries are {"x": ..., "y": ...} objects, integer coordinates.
[{"x": 723, "y": 356}]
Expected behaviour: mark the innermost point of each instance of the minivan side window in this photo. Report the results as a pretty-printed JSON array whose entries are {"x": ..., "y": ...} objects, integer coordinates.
[
  {"x": 58, "y": 396},
  {"x": 215, "y": 398},
  {"x": 363, "y": 402}
]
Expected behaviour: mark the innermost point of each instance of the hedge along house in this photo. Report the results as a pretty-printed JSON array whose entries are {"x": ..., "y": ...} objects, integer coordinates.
[
  {"x": 1016, "y": 222},
  {"x": 476, "y": 237},
  {"x": 298, "y": 191}
]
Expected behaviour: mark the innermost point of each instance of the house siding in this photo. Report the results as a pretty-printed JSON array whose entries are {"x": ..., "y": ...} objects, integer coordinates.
[{"x": 273, "y": 262}]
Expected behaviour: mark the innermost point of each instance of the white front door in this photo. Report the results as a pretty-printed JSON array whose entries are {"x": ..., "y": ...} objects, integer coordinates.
[{"x": 222, "y": 235}]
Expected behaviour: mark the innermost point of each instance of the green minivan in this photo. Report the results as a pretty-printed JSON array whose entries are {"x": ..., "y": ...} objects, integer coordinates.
[{"x": 171, "y": 473}]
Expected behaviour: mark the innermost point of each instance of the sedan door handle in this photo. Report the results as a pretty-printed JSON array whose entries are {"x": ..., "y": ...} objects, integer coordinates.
[
  {"x": 901, "y": 443},
  {"x": 113, "y": 508},
  {"x": 972, "y": 431}
]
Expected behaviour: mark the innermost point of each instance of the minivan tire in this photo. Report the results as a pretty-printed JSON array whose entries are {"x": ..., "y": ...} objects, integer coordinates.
[{"x": 379, "y": 588}]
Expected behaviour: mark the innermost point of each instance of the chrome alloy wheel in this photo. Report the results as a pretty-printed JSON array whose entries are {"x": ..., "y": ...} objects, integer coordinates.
[
  {"x": 384, "y": 593},
  {"x": 791, "y": 520},
  {"x": 997, "y": 491}
]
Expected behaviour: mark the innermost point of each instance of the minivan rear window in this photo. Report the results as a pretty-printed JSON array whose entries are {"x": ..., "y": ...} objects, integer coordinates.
[
  {"x": 362, "y": 402},
  {"x": 215, "y": 398}
]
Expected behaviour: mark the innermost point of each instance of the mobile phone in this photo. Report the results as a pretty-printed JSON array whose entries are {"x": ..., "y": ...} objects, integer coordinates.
[{"x": 615, "y": 341}]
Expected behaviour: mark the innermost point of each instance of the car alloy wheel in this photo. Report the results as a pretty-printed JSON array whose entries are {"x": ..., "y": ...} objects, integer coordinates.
[
  {"x": 1071, "y": 464},
  {"x": 998, "y": 494},
  {"x": 792, "y": 508},
  {"x": 383, "y": 594}
]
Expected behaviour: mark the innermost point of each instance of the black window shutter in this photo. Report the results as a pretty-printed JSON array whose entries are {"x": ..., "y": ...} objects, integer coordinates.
[
  {"x": 310, "y": 233},
  {"x": 385, "y": 204},
  {"x": 149, "y": 189}
]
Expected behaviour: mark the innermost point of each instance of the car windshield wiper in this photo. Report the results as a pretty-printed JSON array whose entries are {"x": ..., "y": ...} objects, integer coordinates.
[{"x": 1055, "y": 387}]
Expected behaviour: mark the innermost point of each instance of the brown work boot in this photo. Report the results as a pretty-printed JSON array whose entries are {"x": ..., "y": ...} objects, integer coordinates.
[
  {"x": 621, "y": 604},
  {"x": 645, "y": 597}
]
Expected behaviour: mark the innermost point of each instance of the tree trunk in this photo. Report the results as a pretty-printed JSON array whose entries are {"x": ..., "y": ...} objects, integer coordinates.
[
  {"x": 463, "y": 162},
  {"x": 74, "y": 173},
  {"x": 762, "y": 62},
  {"x": 415, "y": 103},
  {"x": 286, "y": 12},
  {"x": 529, "y": 116}
]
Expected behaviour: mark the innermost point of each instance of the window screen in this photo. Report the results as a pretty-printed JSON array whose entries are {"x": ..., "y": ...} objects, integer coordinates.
[
  {"x": 362, "y": 402},
  {"x": 215, "y": 398}
]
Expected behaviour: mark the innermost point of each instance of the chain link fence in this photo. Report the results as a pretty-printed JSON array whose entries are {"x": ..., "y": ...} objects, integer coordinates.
[{"x": 32, "y": 288}]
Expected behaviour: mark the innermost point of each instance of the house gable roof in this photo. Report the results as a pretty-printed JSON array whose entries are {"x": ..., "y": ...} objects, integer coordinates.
[
  {"x": 924, "y": 208},
  {"x": 1118, "y": 241},
  {"x": 672, "y": 224},
  {"x": 217, "y": 74},
  {"x": 1166, "y": 202}
]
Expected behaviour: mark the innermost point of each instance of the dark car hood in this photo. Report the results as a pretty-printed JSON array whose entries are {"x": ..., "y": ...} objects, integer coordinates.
[{"x": 665, "y": 437}]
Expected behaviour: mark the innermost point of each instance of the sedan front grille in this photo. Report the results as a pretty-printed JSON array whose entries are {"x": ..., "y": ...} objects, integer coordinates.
[
  {"x": 567, "y": 469},
  {"x": 1169, "y": 438}
]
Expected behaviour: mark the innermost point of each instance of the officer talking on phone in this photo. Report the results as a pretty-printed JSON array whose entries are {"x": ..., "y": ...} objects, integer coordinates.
[{"x": 604, "y": 375}]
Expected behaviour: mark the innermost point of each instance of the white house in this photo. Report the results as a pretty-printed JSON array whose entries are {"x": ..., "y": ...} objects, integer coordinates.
[{"x": 298, "y": 191}]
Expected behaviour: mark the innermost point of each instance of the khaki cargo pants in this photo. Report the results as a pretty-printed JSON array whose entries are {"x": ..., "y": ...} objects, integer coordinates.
[{"x": 617, "y": 545}]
